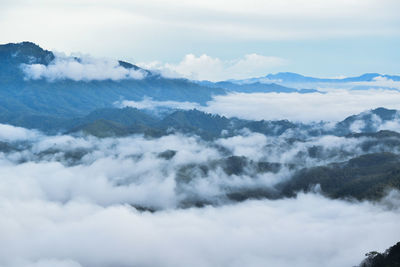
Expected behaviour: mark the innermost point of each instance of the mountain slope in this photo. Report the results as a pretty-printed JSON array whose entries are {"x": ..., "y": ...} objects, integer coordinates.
[
  {"x": 364, "y": 177},
  {"x": 71, "y": 98},
  {"x": 255, "y": 87},
  {"x": 366, "y": 122}
]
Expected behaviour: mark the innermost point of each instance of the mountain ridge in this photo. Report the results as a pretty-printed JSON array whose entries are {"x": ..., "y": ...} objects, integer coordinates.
[{"x": 291, "y": 77}]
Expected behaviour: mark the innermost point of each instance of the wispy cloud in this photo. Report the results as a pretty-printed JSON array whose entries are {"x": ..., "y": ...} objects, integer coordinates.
[{"x": 205, "y": 67}]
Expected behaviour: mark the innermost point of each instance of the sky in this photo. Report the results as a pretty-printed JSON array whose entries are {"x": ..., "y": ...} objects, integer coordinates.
[{"x": 327, "y": 38}]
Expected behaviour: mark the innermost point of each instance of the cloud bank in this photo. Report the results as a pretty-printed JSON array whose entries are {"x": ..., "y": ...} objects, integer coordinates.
[
  {"x": 161, "y": 173},
  {"x": 308, "y": 231},
  {"x": 12, "y": 133},
  {"x": 79, "y": 193},
  {"x": 82, "y": 69},
  {"x": 334, "y": 105},
  {"x": 205, "y": 67}
]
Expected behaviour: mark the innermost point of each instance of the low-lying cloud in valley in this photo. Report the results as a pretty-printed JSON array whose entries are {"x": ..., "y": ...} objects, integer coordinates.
[
  {"x": 83, "y": 190},
  {"x": 165, "y": 172},
  {"x": 334, "y": 105},
  {"x": 331, "y": 106},
  {"x": 307, "y": 231}
]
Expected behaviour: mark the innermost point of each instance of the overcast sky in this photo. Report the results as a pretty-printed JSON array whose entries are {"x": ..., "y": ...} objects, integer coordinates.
[{"x": 314, "y": 37}]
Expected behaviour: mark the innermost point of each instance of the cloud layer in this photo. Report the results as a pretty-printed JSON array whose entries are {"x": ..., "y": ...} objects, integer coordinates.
[
  {"x": 159, "y": 173},
  {"x": 84, "y": 69},
  {"x": 334, "y": 105},
  {"x": 307, "y": 231},
  {"x": 77, "y": 192}
]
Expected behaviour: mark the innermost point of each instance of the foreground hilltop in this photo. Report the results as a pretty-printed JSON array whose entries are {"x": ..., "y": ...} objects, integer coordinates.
[{"x": 389, "y": 258}]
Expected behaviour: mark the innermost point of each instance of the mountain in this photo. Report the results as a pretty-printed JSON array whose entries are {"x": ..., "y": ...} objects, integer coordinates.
[
  {"x": 127, "y": 121},
  {"x": 294, "y": 81},
  {"x": 291, "y": 77},
  {"x": 366, "y": 122},
  {"x": 67, "y": 105},
  {"x": 31, "y": 102},
  {"x": 122, "y": 122},
  {"x": 365, "y": 177},
  {"x": 255, "y": 87},
  {"x": 209, "y": 126},
  {"x": 70, "y": 98}
]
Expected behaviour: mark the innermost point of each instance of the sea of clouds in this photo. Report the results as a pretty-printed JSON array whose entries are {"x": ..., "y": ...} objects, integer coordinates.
[
  {"x": 331, "y": 106},
  {"x": 69, "y": 201},
  {"x": 306, "y": 231},
  {"x": 81, "y": 201},
  {"x": 132, "y": 169}
]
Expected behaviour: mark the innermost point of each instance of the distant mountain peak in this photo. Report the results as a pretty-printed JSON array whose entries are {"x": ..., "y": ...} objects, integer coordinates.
[
  {"x": 25, "y": 53},
  {"x": 291, "y": 77},
  {"x": 384, "y": 113}
]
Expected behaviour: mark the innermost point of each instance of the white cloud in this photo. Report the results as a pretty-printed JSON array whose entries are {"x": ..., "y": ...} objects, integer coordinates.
[
  {"x": 357, "y": 126},
  {"x": 334, "y": 105},
  {"x": 248, "y": 145},
  {"x": 307, "y": 231},
  {"x": 12, "y": 133},
  {"x": 85, "y": 209},
  {"x": 393, "y": 125},
  {"x": 129, "y": 170},
  {"x": 206, "y": 67},
  {"x": 331, "y": 106},
  {"x": 380, "y": 81},
  {"x": 86, "y": 69}
]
